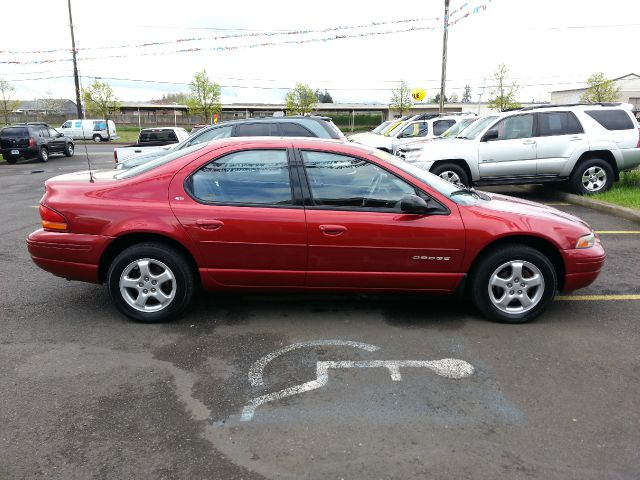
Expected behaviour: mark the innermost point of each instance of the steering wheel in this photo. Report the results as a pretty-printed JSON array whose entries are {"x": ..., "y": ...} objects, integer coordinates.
[{"x": 375, "y": 181}]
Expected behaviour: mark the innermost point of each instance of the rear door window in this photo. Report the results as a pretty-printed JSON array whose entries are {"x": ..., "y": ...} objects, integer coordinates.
[
  {"x": 294, "y": 130},
  {"x": 208, "y": 135},
  {"x": 441, "y": 126},
  {"x": 262, "y": 129},
  {"x": 558, "y": 123},
  {"x": 612, "y": 119}
]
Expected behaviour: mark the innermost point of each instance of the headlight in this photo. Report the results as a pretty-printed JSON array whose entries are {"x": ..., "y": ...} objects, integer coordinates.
[
  {"x": 412, "y": 155},
  {"x": 586, "y": 241}
]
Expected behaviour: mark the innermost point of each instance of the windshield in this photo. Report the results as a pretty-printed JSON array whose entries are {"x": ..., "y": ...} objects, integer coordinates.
[
  {"x": 145, "y": 167},
  {"x": 396, "y": 129},
  {"x": 476, "y": 128},
  {"x": 380, "y": 127},
  {"x": 448, "y": 189},
  {"x": 458, "y": 127}
]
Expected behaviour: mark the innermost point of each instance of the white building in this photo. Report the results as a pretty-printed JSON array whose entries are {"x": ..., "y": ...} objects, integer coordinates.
[{"x": 629, "y": 92}]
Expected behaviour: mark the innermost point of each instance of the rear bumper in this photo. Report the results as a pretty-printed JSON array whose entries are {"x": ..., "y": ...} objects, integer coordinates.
[
  {"x": 25, "y": 152},
  {"x": 582, "y": 266},
  {"x": 68, "y": 255},
  {"x": 630, "y": 159}
]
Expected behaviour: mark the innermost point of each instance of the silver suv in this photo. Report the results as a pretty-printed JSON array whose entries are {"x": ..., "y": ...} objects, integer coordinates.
[{"x": 586, "y": 145}]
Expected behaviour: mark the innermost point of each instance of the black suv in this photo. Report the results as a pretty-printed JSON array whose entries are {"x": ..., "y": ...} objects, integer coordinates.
[
  {"x": 30, "y": 140},
  {"x": 293, "y": 126}
]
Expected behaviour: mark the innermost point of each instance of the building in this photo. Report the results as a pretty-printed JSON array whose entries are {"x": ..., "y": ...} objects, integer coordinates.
[
  {"x": 47, "y": 106},
  {"x": 629, "y": 92}
]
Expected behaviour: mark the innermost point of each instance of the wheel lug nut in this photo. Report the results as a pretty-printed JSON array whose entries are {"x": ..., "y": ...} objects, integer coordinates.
[
  {"x": 511, "y": 292},
  {"x": 153, "y": 290},
  {"x": 522, "y": 285},
  {"x": 520, "y": 292},
  {"x": 517, "y": 280},
  {"x": 141, "y": 284},
  {"x": 145, "y": 291},
  {"x": 146, "y": 279},
  {"x": 509, "y": 285},
  {"x": 153, "y": 282}
]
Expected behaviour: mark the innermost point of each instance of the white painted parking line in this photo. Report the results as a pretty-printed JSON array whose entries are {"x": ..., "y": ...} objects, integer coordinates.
[
  {"x": 618, "y": 232},
  {"x": 557, "y": 204},
  {"x": 450, "y": 368},
  {"x": 592, "y": 298}
]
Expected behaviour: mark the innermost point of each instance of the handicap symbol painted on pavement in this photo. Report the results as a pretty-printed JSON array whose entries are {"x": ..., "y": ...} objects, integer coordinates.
[{"x": 450, "y": 368}]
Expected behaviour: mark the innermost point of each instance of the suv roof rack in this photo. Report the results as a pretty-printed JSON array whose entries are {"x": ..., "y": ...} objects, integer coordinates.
[{"x": 551, "y": 105}]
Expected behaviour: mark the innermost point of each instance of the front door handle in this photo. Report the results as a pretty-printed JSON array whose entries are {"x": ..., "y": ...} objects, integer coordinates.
[
  {"x": 529, "y": 142},
  {"x": 574, "y": 139},
  {"x": 332, "y": 230},
  {"x": 208, "y": 224}
]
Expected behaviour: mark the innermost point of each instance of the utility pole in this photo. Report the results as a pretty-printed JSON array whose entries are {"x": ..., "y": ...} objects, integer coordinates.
[
  {"x": 445, "y": 36},
  {"x": 75, "y": 64}
]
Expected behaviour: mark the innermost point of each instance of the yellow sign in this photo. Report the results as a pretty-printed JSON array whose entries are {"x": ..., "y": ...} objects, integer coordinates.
[{"x": 418, "y": 94}]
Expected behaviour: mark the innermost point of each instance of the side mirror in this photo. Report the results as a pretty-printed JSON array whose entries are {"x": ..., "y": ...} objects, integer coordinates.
[
  {"x": 60, "y": 135},
  {"x": 490, "y": 135},
  {"x": 414, "y": 204}
]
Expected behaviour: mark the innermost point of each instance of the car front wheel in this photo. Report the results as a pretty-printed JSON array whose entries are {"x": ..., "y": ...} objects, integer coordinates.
[
  {"x": 513, "y": 284},
  {"x": 451, "y": 172},
  {"x": 97, "y": 138},
  {"x": 68, "y": 149},
  {"x": 43, "y": 154},
  {"x": 150, "y": 282}
]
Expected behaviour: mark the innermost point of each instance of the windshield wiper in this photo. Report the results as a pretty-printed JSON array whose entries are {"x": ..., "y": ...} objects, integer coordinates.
[{"x": 469, "y": 191}]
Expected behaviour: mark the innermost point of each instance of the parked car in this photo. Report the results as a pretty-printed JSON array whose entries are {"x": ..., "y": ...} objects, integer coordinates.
[
  {"x": 151, "y": 139},
  {"x": 31, "y": 140},
  {"x": 585, "y": 145},
  {"x": 294, "y": 126},
  {"x": 196, "y": 128},
  {"x": 304, "y": 214},
  {"x": 418, "y": 127},
  {"x": 95, "y": 130}
]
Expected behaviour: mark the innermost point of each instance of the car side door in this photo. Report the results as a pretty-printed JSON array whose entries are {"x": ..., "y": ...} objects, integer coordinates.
[
  {"x": 559, "y": 135},
  {"x": 56, "y": 142},
  {"x": 508, "y": 148},
  {"x": 358, "y": 236},
  {"x": 243, "y": 210}
]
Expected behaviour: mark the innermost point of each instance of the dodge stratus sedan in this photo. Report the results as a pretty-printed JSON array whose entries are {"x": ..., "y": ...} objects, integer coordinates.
[{"x": 296, "y": 214}]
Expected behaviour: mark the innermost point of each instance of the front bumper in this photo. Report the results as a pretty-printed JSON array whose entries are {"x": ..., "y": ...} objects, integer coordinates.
[
  {"x": 582, "y": 266},
  {"x": 68, "y": 255}
]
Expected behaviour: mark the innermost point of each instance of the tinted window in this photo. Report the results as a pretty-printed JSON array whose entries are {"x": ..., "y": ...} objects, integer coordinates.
[
  {"x": 558, "y": 123},
  {"x": 612, "y": 119},
  {"x": 256, "y": 130},
  {"x": 341, "y": 181},
  {"x": 250, "y": 177},
  {"x": 213, "y": 134},
  {"x": 158, "y": 135},
  {"x": 43, "y": 132},
  {"x": 517, "y": 126},
  {"x": 66, "y": 124},
  {"x": 100, "y": 125},
  {"x": 294, "y": 130},
  {"x": 53, "y": 132},
  {"x": 441, "y": 126},
  {"x": 14, "y": 132}
]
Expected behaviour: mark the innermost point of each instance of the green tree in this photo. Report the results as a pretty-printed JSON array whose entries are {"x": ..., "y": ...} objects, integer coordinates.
[
  {"x": 466, "y": 96},
  {"x": 300, "y": 100},
  {"x": 503, "y": 93},
  {"x": 7, "y": 103},
  {"x": 177, "y": 97},
  {"x": 454, "y": 98},
  {"x": 204, "y": 98},
  {"x": 401, "y": 98},
  {"x": 99, "y": 99},
  {"x": 600, "y": 89},
  {"x": 323, "y": 97},
  {"x": 436, "y": 99}
]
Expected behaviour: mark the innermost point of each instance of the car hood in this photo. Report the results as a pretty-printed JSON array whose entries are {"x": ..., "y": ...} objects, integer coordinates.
[
  {"x": 372, "y": 140},
  {"x": 513, "y": 205}
]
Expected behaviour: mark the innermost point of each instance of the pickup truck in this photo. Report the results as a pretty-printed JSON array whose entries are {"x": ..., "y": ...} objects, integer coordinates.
[{"x": 149, "y": 140}]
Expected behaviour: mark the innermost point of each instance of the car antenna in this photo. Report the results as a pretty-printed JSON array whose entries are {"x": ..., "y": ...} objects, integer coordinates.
[{"x": 86, "y": 151}]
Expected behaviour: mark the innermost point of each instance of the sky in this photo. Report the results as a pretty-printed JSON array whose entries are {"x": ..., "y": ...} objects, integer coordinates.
[{"x": 547, "y": 45}]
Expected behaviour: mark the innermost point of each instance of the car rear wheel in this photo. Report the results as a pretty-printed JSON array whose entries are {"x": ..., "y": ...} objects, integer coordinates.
[
  {"x": 11, "y": 160},
  {"x": 43, "y": 154},
  {"x": 513, "y": 284},
  {"x": 68, "y": 149},
  {"x": 451, "y": 172},
  {"x": 592, "y": 177},
  {"x": 97, "y": 138},
  {"x": 150, "y": 282}
]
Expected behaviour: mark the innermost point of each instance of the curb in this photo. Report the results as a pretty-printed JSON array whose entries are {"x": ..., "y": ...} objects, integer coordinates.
[{"x": 623, "y": 212}]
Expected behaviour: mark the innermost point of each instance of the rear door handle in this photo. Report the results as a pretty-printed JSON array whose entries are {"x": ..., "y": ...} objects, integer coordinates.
[
  {"x": 332, "y": 230},
  {"x": 574, "y": 139},
  {"x": 208, "y": 224},
  {"x": 529, "y": 142}
]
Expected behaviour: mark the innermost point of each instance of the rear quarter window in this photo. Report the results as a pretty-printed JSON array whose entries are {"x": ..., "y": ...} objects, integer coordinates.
[{"x": 612, "y": 119}]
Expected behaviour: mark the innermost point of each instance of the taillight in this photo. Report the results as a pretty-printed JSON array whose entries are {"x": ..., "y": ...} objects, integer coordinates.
[
  {"x": 32, "y": 142},
  {"x": 53, "y": 220}
]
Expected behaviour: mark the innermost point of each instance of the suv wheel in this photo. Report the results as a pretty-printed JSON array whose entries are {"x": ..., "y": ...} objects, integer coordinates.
[
  {"x": 592, "y": 177},
  {"x": 451, "y": 172},
  {"x": 68, "y": 149},
  {"x": 150, "y": 282},
  {"x": 513, "y": 284},
  {"x": 97, "y": 138},
  {"x": 43, "y": 154},
  {"x": 11, "y": 160}
]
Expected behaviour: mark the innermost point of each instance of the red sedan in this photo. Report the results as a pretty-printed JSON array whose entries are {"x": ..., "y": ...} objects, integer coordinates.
[{"x": 304, "y": 215}]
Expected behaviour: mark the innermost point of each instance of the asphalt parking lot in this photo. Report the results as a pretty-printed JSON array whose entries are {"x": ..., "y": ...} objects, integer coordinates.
[{"x": 290, "y": 387}]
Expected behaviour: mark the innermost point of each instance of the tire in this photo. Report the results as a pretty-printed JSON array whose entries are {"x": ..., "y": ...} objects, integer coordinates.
[
  {"x": 68, "y": 150},
  {"x": 11, "y": 160},
  {"x": 592, "y": 177},
  {"x": 452, "y": 173},
  {"x": 127, "y": 273},
  {"x": 97, "y": 138},
  {"x": 496, "y": 294},
  {"x": 43, "y": 154}
]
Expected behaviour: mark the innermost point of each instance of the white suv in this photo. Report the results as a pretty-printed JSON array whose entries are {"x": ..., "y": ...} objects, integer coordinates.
[
  {"x": 419, "y": 127},
  {"x": 587, "y": 145}
]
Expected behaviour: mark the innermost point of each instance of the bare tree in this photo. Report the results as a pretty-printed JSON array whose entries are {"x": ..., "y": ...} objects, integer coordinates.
[
  {"x": 401, "y": 98},
  {"x": 503, "y": 93},
  {"x": 7, "y": 103}
]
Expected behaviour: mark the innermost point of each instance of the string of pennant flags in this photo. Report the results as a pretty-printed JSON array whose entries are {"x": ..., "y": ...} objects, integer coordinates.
[
  {"x": 477, "y": 9},
  {"x": 227, "y": 37}
]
